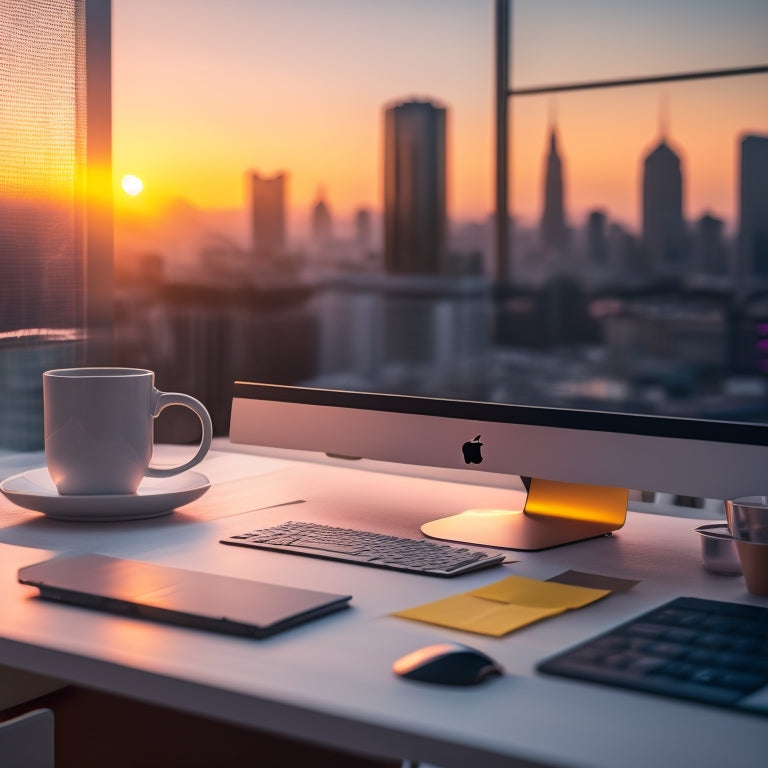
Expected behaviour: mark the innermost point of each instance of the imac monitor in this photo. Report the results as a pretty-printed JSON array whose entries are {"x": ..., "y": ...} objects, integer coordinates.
[{"x": 576, "y": 465}]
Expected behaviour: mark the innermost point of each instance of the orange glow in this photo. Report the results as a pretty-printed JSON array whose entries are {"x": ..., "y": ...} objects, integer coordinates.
[
  {"x": 603, "y": 138},
  {"x": 38, "y": 120},
  {"x": 308, "y": 101},
  {"x": 571, "y": 501}
]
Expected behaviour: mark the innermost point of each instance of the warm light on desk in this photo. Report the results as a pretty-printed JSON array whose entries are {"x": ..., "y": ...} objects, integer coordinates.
[{"x": 488, "y": 513}]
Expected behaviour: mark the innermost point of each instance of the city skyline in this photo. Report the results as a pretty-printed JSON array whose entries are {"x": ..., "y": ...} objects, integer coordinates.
[
  {"x": 298, "y": 213},
  {"x": 200, "y": 86},
  {"x": 552, "y": 219}
]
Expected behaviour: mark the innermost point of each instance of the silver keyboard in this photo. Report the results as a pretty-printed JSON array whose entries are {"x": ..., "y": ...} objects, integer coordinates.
[{"x": 367, "y": 548}]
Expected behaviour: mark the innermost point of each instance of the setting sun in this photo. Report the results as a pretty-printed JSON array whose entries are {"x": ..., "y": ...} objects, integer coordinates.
[{"x": 132, "y": 185}]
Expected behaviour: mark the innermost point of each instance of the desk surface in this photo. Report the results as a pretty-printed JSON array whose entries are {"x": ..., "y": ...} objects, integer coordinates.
[{"x": 330, "y": 681}]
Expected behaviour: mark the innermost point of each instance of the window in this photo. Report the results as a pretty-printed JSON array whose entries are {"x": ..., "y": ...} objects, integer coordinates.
[
  {"x": 304, "y": 193},
  {"x": 636, "y": 260}
]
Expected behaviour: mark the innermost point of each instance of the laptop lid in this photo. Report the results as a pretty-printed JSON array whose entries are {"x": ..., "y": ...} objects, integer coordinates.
[{"x": 178, "y": 596}]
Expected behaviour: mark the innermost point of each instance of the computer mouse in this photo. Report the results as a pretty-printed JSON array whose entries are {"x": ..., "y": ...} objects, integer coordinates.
[{"x": 447, "y": 664}]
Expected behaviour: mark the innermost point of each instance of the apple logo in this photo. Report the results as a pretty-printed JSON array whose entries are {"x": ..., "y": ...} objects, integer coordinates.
[{"x": 471, "y": 451}]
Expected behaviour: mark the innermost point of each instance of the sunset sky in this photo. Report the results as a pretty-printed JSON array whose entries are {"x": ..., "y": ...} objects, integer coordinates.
[{"x": 204, "y": 90}]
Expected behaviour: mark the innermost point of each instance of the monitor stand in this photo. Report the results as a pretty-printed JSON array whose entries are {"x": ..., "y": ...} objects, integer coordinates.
[{"x": 555, "y": 513}]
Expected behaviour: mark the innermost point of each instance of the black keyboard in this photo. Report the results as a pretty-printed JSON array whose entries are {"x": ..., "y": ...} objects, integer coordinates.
[
  {"x": 367, "y": 548},
  {"x": 707, "y": 651}
]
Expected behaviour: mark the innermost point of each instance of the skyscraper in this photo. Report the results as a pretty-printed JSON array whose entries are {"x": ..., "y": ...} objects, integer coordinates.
[
  {"x": 322, "y": 223},
  {"x": 753, "y": 207},
  {"x": 554, "y": 233},
  {"x": 663, "y": 223},
  {"x": 709, "y": 246},
  {"x": 597, "y": 246},
  {"x": 268, "y": 215},
  {"x": 363, "y": 229},
  {"x": 415, "y": 217}
]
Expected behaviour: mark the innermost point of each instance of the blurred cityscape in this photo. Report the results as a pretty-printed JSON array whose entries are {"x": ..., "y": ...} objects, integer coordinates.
[{"x": 670, "y": 320}]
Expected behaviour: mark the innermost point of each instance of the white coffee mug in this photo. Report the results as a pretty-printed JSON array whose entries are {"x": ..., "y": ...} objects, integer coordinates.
[{"x": 99, "y": 428}]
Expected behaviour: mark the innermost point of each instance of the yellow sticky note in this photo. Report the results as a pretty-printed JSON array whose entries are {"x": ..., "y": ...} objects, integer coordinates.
[
  {"x": 541, "y": 594},
  {"x": 506, "y": 605},
  {"x": 474, "y": 614}
]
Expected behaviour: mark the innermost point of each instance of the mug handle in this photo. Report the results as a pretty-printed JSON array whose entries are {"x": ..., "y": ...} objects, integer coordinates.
[{"x": 161, "y": 401}]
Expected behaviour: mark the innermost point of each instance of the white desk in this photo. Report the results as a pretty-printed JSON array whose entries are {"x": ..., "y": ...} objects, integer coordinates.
[{"x": 330, "y": 681}]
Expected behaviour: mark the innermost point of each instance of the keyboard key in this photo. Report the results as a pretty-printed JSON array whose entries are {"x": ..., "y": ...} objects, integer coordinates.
[{"x": 324, "y": 545}]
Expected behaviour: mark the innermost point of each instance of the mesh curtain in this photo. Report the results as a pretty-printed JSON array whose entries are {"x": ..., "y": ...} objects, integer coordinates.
[{"x": 42, "y": 156}]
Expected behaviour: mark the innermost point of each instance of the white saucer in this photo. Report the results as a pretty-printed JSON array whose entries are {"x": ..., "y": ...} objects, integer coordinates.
[{"x": 155, "y": 496}]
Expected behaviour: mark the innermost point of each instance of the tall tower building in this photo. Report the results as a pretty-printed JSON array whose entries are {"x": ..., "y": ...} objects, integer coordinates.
[
  {"x": 363, "y": 230},
  {"x": 268, "y": 215},
  {"x": 597, "y": 244},
  {"x": 753, "y": 207},
  {"x": 322, "y": 222},
  {"x": 709, "y": 246},
  {"x": 554, "y": 233},
  {"x": 663, "y": 223},
  {"x": 415, "y": 216}
]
